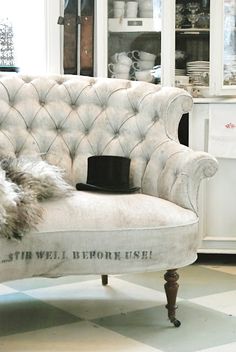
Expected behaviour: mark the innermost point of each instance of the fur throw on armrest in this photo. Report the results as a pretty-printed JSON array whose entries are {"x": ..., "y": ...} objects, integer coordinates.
[{"x": 23, "y": 184}]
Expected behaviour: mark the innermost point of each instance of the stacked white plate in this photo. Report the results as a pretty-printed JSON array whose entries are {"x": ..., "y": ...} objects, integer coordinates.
[
  {"x": 197, "y": 71},
  {"x": 197, "y": 66}
]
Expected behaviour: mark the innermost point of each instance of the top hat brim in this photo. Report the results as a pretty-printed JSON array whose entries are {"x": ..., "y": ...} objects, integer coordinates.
[{"x": 90, "y": 187}]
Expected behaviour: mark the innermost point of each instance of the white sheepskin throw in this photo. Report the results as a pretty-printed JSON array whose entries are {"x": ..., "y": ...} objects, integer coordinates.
[{"x": 23, "y": 184}]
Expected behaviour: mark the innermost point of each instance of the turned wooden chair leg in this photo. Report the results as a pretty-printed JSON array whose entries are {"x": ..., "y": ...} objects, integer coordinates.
[
  {"x": 171, "y": 289},
  {"x": 104, "y": 280}
]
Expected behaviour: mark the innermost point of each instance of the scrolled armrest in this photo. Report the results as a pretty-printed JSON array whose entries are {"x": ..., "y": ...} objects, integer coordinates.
[{"x": 180, "y": 176}]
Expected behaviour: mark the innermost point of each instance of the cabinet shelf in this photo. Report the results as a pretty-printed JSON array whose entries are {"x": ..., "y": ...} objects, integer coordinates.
[
  {"x": 134, "y": 24},
  {"x": 192, "y": 31}
]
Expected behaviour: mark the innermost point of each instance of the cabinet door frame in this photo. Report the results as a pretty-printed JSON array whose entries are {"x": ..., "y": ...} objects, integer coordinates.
[
  {"x": 54, "y": 36},
  {"x": 217, "y": 50},
  {"x": 168, "y": 43},
  {"x": 100, "y": 38}
]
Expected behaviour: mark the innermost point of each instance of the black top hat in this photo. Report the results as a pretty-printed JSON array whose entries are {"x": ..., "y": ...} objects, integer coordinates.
[{"x": 107, "y": 173}]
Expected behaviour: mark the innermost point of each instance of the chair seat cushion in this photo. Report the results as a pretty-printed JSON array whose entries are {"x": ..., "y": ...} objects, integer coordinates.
[
  {"x": 101, "y": 233},
  {"x": 120, "y": 211}
]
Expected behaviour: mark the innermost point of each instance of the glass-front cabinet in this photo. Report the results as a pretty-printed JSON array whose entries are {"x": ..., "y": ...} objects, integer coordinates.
[{"x": 190, "y": 44}]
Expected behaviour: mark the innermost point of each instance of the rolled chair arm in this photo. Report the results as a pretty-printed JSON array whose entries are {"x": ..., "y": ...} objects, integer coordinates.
[
  {"x": 174, "y": 172},
  {"x": 181, "y": 175}
]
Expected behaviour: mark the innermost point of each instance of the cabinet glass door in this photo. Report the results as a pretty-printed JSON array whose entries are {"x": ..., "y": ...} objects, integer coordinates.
[
  {"x": 192, "y": 46},
  {"x": 229, "y": 58},
  {"x": 134, "y": 40},
  {"x": 223, "y": 47}
]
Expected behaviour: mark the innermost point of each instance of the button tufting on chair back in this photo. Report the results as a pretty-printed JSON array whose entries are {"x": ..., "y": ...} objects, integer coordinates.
[{"x": 65, "y": 119}]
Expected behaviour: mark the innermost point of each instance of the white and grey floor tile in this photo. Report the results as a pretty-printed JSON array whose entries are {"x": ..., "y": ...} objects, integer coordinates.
[
  {"x": 20, "y": 313},
  {"x": 194, "y": 282},
  {"x": 41, "y": 282},
  {"x": 90, "y": 300},
  {"x": 224, "y": 302},
  {"x": 83, "y": 336},
  {"x": 5, "y": 290},
  {"x": 231, "y": 347},
  {"x": 229, "y": 269},
  {"x": 201, "y": 328}
]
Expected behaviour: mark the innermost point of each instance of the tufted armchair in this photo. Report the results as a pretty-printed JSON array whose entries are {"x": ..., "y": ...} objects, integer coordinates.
[{"x": 65, "y": 119}]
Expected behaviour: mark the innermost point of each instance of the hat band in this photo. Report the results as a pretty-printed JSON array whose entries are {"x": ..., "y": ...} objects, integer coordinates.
[{"x": 120, "y": 185}]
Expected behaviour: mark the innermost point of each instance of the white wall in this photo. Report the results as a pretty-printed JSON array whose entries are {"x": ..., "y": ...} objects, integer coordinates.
[{"x": 38, "y": 37}]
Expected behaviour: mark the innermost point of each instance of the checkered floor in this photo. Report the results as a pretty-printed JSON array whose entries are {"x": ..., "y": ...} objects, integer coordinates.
[{"x": 79, "y": 314}]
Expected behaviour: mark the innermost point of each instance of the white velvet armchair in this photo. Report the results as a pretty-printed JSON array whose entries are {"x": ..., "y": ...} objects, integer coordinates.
[{"x": 65, "y": 119}]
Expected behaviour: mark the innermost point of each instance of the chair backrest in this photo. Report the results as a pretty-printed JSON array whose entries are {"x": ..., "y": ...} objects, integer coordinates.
[{"x": 65, "y": 119}]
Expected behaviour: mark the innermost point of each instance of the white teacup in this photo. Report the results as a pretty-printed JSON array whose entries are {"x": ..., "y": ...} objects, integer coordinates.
[
  {"x": 118, "y": 68},
  {"x": 119, "y": 4},
  {"x": 114, "y": 56},
  {"x": 121, "y": 75},
  {"x": 144, "y": 75},
  {"x": 121, "y": 58},
  {"x": 119, "y": 12},
  {"x": 143, "y": 65},
  {"x": 146, "y": 5},
  {"x": 131, "y": 9},
  {"x": 142, "y": 55},
  {"x": 134, "y": 54}
]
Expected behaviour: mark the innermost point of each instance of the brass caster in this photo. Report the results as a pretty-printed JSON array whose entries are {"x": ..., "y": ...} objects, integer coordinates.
[{"x": 176, "y": 323}]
